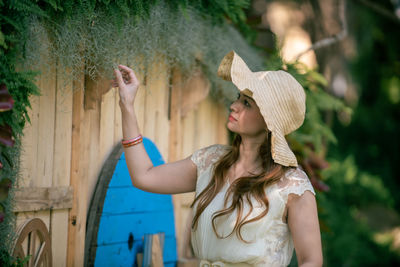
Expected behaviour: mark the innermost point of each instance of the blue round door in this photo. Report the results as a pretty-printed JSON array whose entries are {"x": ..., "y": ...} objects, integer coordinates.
[{"x": 120, "y": 215}]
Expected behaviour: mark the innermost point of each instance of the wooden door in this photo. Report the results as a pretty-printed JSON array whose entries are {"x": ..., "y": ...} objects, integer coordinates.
[{"x": 120, "y": 215}]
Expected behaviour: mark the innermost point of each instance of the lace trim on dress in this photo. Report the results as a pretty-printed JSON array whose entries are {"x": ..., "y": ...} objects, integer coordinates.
[
  {"x": 206, "y": 156},
  {"x": 296, "y": 182}
]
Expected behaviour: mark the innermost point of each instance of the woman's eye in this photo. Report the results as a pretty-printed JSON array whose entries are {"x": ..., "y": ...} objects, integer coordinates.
[
  {"x": 238, "y": 96},
  {"x": 246, "y": 103}
]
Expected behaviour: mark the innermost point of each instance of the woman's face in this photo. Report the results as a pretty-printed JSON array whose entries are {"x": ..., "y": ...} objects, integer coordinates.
[{"x": 245, "y": 117}]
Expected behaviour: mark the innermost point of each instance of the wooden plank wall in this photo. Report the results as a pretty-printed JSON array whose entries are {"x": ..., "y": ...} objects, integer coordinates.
[
  {"x": 46, "y": 153},
  {"x": 66, "y": 145},
  {"x": 196, "y": 121}
]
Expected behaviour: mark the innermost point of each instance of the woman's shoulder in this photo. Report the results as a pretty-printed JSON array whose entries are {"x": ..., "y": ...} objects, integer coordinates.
[
  {"x": 212, "y": 149},
  {"x": 295, "y": 181},
  {"x": 206, "y": 155}
]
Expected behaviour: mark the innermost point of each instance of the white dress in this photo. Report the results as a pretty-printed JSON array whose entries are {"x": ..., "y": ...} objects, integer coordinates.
[{"x": 271, "y": 242}]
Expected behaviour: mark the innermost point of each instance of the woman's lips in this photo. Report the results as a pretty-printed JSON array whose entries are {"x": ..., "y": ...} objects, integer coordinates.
[{"x": 231, "y": 118}]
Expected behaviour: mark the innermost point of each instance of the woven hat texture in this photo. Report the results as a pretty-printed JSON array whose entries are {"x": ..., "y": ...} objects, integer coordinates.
[{"x": 281, "y": 99}]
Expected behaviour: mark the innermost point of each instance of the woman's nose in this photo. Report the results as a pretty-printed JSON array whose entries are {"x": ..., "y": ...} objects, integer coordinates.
[{"x": 234, "y": 106}]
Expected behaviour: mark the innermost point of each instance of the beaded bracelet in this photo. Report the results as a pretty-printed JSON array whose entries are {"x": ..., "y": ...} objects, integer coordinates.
[{"x": 132, "y": 142}]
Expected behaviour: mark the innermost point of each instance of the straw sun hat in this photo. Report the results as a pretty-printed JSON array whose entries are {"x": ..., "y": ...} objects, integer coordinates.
[{"x": 279, "y": 96}]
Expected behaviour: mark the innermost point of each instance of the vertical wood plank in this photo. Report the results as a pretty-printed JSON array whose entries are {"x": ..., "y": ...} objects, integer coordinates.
[
  {"x": 82, "y": 189},
  {"x": 29, "y": 147},
  {"x": 222, "y": 137},
  {"x": 175, "y": 133},
  {"x": 140, "y": 101},
  {"x": 189, "y": 127},
  {"x": 79, "y": 172},
  {"x": 175, "y": 147},
  {"x": 77, "y": 114},
  {"x": 107, "y": 111},
  {"x": 117, "y": 119},
  {"x": 190, "y": 143},
  {"x": 156, "y": 124},
  {"x": 37, "y": 145},
  {"x": 62, "y": 134},
  {"x": 94, "y": 157},
  {"x": 206, "y": 120},
  {"x": 45, "y": 137},
  {"x": 61, "y": 166},
  {"x": 102, "y": 124}
]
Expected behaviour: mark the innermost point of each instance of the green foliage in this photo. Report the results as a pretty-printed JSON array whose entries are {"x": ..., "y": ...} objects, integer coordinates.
[
  {"x": 373, "y": 134},
  {"x": 365, "y": 188},
  {"x": 13, "y": 20},
  {"x": 21, "y": 86},
  {"x": 218, "y": 10},
  {"x": 6, "y": 260},
  {"x": 347, "y": 240},
  {"x": 10, "y": 159}
]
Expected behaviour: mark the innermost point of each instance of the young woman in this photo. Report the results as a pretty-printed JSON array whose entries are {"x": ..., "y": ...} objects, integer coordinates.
[{"x": 253, "y": 205}]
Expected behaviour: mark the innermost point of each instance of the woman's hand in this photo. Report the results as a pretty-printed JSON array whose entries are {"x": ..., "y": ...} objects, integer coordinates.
[{"x": 128, "y": 85}]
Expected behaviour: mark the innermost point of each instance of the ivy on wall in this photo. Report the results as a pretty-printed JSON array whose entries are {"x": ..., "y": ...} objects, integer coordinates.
[{"x": 15, "y": 89}]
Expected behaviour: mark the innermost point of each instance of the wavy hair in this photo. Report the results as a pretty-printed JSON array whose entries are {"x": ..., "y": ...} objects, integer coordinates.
[{"x": 242, "y": 189}]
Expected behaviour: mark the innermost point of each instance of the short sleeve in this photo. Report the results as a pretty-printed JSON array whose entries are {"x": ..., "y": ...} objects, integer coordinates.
[
  {"x": 296, "y": 182},
  {"x": 206, "y": 156}
]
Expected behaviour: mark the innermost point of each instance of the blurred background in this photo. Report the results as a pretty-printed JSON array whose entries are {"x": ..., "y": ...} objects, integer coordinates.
[{"x": 355, "y": 45}]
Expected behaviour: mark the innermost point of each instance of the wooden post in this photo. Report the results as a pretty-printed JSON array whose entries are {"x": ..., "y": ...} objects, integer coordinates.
[
  {"x": 153, "y": 251},
  {"x": 62, "y": 165},
  {"x": 78, "y": 180}
]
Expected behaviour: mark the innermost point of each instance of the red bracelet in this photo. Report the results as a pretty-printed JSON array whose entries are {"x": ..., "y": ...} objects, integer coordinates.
[{"x": 132, "y": 142}]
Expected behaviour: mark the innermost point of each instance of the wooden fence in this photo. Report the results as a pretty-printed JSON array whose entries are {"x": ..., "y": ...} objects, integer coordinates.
[{"x": 74, "y": 126}]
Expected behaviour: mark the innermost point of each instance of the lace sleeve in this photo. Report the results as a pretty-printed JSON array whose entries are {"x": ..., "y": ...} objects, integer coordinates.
[
  {"x": 295, "y": 182},
  {"x": 206, "y": 156}
]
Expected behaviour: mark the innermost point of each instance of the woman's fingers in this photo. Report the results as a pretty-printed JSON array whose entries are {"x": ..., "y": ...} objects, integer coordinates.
[
  {"x": 114, "y": 84},
  {"x": 128, "y": 84},
  {"x": 118, "y": 77},
  {"x": 129, "y": 73}
]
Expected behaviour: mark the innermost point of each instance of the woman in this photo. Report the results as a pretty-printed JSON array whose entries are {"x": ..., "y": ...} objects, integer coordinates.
[{"x": 253, "y": 205}]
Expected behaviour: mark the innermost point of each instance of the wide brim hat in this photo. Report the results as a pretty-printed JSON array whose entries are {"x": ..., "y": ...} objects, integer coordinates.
[{"x": 280, "y": 97}]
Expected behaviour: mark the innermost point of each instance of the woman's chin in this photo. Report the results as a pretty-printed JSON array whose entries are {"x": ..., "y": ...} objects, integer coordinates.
[{"x": 231, "y": 127}]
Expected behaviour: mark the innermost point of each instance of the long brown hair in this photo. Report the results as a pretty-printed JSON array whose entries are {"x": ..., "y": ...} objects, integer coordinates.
[{"x": 242, "y": 189}]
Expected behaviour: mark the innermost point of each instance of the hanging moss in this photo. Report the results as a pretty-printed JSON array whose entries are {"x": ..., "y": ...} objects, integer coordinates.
[{"x": 166, "y": 36}]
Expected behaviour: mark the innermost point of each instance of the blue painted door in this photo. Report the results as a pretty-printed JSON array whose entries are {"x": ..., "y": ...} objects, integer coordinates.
[{"x": 129, "y": 213}]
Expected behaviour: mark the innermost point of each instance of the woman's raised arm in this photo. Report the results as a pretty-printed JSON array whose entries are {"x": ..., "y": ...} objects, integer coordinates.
[{"x": 170, "y": 178}]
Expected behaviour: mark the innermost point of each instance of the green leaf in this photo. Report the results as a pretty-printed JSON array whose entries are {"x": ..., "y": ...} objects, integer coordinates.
[
  {"x": 2, "y": 41},
  {"x": 318, "y": 77}
]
